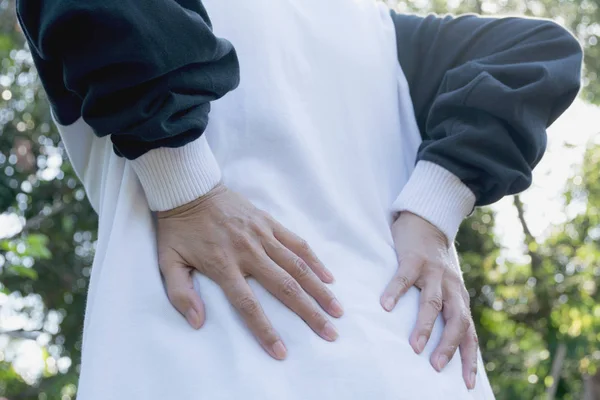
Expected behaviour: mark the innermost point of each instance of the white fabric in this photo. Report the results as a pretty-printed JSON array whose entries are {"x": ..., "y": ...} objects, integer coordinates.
[
  {"x": 174, "y": 177},
  {"x": 436, "y": 194},
  {"x": 321, "y": 134}
]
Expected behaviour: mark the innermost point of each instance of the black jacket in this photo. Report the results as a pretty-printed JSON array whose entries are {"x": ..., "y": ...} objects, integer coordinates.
[{"x": 484, "y": 90}]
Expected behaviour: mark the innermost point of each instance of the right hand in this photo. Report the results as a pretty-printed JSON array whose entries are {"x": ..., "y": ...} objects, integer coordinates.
[{"x": 223, "y": 236}]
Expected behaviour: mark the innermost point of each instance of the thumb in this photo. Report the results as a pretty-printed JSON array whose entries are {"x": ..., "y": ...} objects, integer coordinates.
[{"x": 181, "y": 292}]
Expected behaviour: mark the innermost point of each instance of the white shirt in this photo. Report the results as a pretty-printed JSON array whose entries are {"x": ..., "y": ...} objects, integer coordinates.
[{"x": 320, "y": 134}]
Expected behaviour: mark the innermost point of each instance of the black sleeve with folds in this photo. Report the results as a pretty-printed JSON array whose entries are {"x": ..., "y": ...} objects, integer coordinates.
[
  {"x": 143, "y": 72},
  {"x": 484, "y": 90}
]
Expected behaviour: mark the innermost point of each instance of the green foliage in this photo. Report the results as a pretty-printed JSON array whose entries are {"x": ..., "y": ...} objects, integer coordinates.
[
  {"x": 44, "y": 269},
  {"x": 525, "y": 312}
]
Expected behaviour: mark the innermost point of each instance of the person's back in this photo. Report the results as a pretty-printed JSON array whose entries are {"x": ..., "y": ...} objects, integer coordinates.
[{"x": 321, "y": 135}]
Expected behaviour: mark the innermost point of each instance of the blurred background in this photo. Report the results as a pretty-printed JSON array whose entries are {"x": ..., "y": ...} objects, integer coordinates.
[{"x": 531, "y": 262}]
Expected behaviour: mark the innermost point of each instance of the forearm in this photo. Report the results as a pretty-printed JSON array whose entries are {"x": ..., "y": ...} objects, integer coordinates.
[
  {"x": 484, "y": 91},
  {"x": 438, "y": 196}
]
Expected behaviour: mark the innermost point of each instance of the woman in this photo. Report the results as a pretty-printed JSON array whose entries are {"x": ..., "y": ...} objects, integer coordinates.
[{"x": 336, "y": 102}]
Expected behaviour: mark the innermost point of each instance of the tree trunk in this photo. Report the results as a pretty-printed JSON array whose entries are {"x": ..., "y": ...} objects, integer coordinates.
[
  {"x": 557, "y": 365},
  {"x": 591, "y": 387}
]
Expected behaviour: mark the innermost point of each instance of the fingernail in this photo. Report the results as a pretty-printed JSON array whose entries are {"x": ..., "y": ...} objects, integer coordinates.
[
  {"x": 193, "y": 318},
  {"x": 472, "y": 380},
  {"x": 421, "y": 342},
  {"x": 336, "y": 308},
  {"x": 388, "y": 304},
  {"x": 442, "y": 361},
  {"x": 329, "y": 332},
  {"x": 279, "y": 350},
  {"x": 328, "y": 275}
]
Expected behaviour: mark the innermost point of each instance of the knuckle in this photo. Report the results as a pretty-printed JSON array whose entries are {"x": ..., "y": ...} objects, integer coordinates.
[
  {"x": 216, "y": 263},
  {"x": 303, "y": 245},
  {"x": 421, "y": 282},
  {"x": 272, "y": 246},
  {"x": 265, "y": 216},
  {"x": 464, "y": 319},
  {"x": 290, "y": 288},
  {"x": 240, "y": 241},
  {"x": 450, "y": 349},
  {"x": 436, "y": 302},
  {"x": 402, "y": 282},
  {"x": 233, "y": 223},
  {"x": 318, "y": 319},
  {"x": 453, "y": 278},
  {"x": 474, "y": 339},
  {"x": 267, "y": 333},
  {"x": 427, "y": 327},
  {"x": 300, "y": 267},
  {"x": 218, "y": 256},
  {"x": 219, "y": 272},
  {"x": 437, "y": 266},
  {"x": 248, "y": 306},
  {"x": 257, "y": 226},
  {"x": 324, "y": 293},
  {"x": 465, "y": 296},
  {"x": 220, "y": 259}
]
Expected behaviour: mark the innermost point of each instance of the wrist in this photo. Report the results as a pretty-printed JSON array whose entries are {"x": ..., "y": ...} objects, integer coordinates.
[
  {"x": 437, "y": 196},
  {"x": 195, "y": 205},
  {"x": 172, "y": 177},
  {"x": 406, "y": 217}
]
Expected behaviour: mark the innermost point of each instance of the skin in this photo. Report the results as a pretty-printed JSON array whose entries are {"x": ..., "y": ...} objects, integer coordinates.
[
  {"x": 425, "y": 261},
  {"x": 237, "y": 240}
]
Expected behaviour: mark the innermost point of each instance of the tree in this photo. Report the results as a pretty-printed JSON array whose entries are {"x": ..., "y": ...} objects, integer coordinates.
[{"x": 46, "y": 265}]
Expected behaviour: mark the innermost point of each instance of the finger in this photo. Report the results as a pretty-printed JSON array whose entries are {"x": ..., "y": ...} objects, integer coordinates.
[
  {"x": 301, "y": 248},
  {"x": 405, "y": 277},
  {"x": 305, "y": 276},
  {"x": 245, "y": 302},
  {"x": 181, "y": 292},
  {"x": 457, "y": 324},
  {"x": 468, "y": 356},
  {"x": 283, "y": 286},
  {"x": 430, "y": 306}
]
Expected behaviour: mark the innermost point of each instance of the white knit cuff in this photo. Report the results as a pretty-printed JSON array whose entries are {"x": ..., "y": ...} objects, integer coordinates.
[
  {"x": 438, "y": 196},
  {"x": 172, "y": 177}
]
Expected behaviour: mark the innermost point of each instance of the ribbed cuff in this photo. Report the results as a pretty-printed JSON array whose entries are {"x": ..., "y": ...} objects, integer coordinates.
[
  {"x": 437, "y": 195},
  {"x": 172, "y": 177}
]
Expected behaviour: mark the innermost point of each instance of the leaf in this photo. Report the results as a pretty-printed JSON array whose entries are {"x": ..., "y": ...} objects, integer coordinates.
[
  {"x": 8, "y": 245},
  {"x": 36, "y": 245},
  {"x": 6, "y": 43},
  {"x": 24, "y": 271}
]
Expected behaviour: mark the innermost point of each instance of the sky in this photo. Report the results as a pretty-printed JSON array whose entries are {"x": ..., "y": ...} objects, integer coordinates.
[{"x": 544, "y": 204}]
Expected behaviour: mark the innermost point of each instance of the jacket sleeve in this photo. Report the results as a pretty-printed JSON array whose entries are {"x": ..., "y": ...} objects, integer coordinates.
[
  {"x": 143, "y": 72},
  {"x": 484, "y": 90}
]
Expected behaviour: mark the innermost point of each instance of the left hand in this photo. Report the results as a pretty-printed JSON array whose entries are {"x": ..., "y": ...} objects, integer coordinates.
[{"x": 425, "y": 261}]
